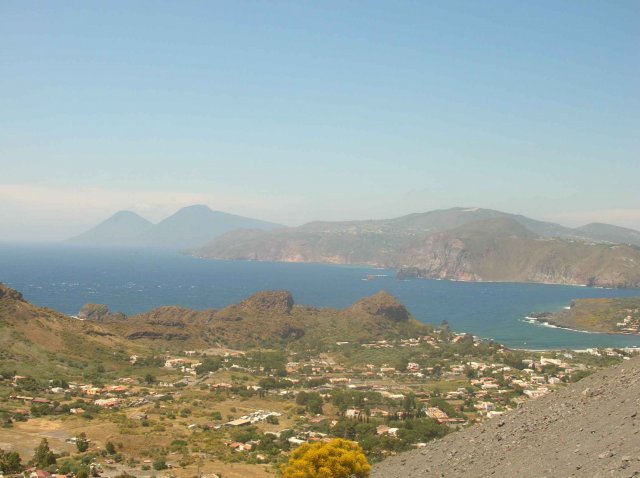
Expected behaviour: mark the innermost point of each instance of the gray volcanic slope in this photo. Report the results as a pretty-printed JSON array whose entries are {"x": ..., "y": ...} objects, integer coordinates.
[{"x": 591, "y": 429}]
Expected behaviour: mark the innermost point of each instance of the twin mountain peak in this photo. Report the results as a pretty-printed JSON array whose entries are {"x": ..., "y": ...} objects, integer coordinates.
[{"x": 189, "y": 227}]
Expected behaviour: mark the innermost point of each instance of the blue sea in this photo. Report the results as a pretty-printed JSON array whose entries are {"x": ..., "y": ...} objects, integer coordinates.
[{"x": 65, "y": 277}]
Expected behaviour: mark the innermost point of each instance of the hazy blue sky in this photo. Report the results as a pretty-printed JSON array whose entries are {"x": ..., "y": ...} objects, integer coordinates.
[{"x": 294, "y": 111}]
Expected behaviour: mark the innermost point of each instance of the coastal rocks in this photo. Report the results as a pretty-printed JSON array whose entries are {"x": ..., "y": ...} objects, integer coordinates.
[
  {"x": 9, "y": 293},
  {"x": 382, "y": 304},
  {"x": 99, "y": 312}
]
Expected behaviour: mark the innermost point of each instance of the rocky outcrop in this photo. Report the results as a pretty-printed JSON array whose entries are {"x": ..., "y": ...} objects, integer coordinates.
[
  {"x": 150, "y": 335},
  {"x": 10, "y": 294},
  {"x": 591, "y": 428},
  {"x": 99, "y": 312},
  {"x": 383, "y": 305},
  {"x": 267, "y": 319},
  {"x": 263, "y": 303}
]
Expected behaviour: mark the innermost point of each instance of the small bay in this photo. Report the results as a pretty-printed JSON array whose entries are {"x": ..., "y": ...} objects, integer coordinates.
[{"x": 134, "y": 280}]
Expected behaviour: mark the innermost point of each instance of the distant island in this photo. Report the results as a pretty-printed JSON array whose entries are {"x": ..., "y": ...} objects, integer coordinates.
[
  {"x": 190, "y": 227},
  {"x": 466, "y": 244},
  {"x": 609, "y": 315}
]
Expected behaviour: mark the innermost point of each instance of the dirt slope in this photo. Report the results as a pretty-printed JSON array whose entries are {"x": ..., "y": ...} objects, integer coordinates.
[{"x": 591, "y": 428}]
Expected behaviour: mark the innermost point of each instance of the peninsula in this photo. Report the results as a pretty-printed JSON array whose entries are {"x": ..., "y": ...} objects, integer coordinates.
[{"x": 606, "y": 315}]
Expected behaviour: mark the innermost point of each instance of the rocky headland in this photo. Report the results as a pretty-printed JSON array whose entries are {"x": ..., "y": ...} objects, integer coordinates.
[
  {"x": 457, "y": 244},
  {"x": 616, "y": 315}
]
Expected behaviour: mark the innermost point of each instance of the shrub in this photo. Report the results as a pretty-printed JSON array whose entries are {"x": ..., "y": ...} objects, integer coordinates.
[
  {"x": 110, "y": 447},
  {"x": 82, "y": 443},
  {"x": 10, "y": 461},
  {"x": 336, "y": 459},
  {"x": 159, "y": 464}
]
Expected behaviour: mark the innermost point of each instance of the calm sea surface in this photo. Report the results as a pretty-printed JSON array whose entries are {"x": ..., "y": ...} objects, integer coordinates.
[{"x": 131, "y": 281}]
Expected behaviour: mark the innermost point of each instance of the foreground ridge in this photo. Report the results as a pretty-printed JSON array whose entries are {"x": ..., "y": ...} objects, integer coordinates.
[{"x": 591, "y": 428}]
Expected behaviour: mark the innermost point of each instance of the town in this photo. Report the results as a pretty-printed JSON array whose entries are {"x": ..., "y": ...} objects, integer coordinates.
[{"x": 224, "y": 412}]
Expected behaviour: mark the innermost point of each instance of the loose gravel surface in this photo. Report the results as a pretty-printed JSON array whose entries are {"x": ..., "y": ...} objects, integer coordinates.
[{"x": 590, "y": 429}]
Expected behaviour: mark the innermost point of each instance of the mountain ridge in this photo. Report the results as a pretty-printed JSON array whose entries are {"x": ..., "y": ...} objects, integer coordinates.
[
  {"x": 459, "y": 243},
  {"x": 30, "y": 334},
  {"x": 503, "y": 250}
]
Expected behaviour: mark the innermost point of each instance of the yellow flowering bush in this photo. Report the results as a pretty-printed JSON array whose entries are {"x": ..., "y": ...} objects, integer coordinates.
[{"x": 337, "y": 458}]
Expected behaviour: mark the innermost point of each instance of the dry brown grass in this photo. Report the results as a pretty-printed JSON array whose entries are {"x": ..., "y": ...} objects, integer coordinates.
[{"x": 24, "y": 437}]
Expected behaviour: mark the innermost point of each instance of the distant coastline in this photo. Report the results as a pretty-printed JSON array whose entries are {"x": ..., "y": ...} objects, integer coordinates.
[
  {"x": 545, "y": 323},
  {"x": 64, "y": 278}
]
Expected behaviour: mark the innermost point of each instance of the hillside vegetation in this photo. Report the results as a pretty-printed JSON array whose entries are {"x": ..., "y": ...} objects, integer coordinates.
[
  {"x": 53, "y": 341},
  {"x": 39, "y": 341},
  {"x": 270, "y": 319}
]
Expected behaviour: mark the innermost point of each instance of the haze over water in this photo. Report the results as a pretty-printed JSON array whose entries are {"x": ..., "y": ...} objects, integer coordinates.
[{"x": 64, "y": 278}]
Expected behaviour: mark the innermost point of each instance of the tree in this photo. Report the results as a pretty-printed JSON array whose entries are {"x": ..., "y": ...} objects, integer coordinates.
[
  {"x": 82, "y": 442},
  {"x": 149, "y": 379},
  {"x": 43, "y": 456},
  {"x": 209, "y": 364},
  {"x": 10, "y": 461},
  {"x": 83, "y": 472},
  {"x": 311, "y": 400},
  {"x": 159, "y": 464},
  {"x": 110, "y": 447},
  {"x": 335, "y": 459}
]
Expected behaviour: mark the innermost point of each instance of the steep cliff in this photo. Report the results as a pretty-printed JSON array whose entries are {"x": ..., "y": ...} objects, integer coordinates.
[
  {"x": 503, "y": 250},
  {"x": 448, "y": 245}
]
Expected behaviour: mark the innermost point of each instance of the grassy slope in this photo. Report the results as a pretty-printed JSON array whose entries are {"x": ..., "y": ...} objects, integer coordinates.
[{"x": 41, "y": 341}]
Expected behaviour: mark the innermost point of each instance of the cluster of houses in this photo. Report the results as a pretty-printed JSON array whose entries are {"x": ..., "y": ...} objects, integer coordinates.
[
  {"x": 108, "y": 397},
  {"x": 631, "y": 323},
  {"x": 253, "y": 418},
  {"x": 186, "y": 366}
]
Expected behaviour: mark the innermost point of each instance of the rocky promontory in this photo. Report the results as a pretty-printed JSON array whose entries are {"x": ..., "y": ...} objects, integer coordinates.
[
  {"x": 458, "y": 244},
  {"x": 613, "y": 315}
]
